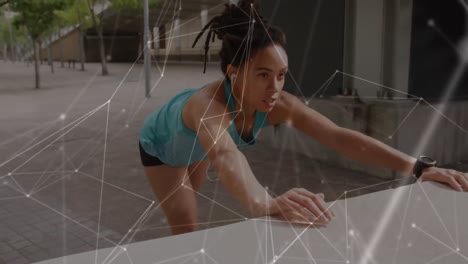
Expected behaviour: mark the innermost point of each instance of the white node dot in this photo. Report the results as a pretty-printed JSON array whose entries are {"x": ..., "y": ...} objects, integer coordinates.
[
  {"x": 215, "y": 142},
  {"x": 254, "y": 21},
  {"x": 251, "y": 4},
  {"x": 62, "y": 117},
  {"x": 129, "y": 230},
  {"x": 27, "y": 195},
  {"x": 124, "y": 110},
  {"x": 162, "y": 75},
  {"x": 458, "y": 249},
  {"x": 413, "y": 225},
  {"x": 431, "y": 22},
  {"x": 126, "y": 125},
  {"x": 76, "y": 170},
  {"x": 202, "y": 250},
  {"x": 347, "y": 262},
  {"x": 336, "y": 71},
  {"x": 351, "y": 232},
  {"x": 410, "y": 244},
  {"x": 9, "y": 174},
  {"x": 124, "y": 249},
  {"x": 390, "y": 137},
  {"x": 108, "y": 101}
]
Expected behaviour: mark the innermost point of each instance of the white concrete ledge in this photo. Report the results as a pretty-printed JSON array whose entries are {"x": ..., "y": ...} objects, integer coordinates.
[{"x": 419, "y": 228}]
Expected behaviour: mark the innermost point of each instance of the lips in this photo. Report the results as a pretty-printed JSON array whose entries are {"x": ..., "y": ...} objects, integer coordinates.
[{"x": 269, "y": 101}]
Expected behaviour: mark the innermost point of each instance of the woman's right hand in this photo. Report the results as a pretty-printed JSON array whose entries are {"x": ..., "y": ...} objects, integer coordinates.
[{"x": 301, "y": 206}]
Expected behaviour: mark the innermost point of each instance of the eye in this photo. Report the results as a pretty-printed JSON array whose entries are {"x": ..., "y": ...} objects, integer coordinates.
[{"x": 263, "y": 75}]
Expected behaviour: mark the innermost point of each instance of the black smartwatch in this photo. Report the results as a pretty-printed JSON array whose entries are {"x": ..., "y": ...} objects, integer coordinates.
[{"x": 422, "y": 163}]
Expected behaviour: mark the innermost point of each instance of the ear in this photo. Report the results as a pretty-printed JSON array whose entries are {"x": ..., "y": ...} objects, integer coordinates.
[{"x": 231, "y": 69}]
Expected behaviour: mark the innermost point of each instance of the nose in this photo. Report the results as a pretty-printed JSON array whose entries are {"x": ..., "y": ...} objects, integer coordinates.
[{"x": 276, "y": 85}]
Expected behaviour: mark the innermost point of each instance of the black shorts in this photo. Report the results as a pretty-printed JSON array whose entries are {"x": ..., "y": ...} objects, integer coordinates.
[{"x": 147, "y": 160}]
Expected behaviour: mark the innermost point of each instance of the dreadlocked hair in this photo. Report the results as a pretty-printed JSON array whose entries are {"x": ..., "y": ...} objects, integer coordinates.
[{"x": 243, "y": 32}]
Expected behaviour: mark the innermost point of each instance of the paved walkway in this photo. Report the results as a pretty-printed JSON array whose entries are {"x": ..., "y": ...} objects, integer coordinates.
[{"x": 50, "y": 186}]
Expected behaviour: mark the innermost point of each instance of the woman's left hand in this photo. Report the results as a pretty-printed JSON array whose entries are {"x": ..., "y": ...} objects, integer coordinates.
[{"x": 457, "y": 180}]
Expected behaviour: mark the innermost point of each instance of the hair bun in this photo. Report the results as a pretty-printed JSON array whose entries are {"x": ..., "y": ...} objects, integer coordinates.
[
  {"x": 235, "y": 21},
  {"x": 246, "y": 5}
]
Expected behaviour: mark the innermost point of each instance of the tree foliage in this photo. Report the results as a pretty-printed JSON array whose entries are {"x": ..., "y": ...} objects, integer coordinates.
[
  {"x": 76, "y": 13},
  {"x": 36, "y": 16},
  {"x": 137, "y": 4},
  {"x": 17, "y": 35}
]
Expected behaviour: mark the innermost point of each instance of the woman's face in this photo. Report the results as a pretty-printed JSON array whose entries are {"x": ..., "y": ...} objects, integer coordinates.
[{"x": 260, "y": 81}]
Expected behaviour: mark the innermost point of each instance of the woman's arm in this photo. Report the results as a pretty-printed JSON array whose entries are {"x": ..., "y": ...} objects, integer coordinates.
[
  {"x": 230, "y": 164},
  {"x": 356, "y": 145},
  {"x": 236, "y": 176},
  {"x": 363, "y": 148}
]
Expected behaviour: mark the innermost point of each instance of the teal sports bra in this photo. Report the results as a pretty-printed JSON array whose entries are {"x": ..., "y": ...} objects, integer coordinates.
[{"x": 165, "y": 136}]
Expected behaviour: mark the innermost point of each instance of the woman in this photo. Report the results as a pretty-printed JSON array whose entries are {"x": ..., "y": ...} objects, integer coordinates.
[{"x": 207, "y": 126}]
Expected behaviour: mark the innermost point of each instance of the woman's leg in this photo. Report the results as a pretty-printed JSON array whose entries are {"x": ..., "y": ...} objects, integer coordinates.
[{"x": 178, "y": 203}]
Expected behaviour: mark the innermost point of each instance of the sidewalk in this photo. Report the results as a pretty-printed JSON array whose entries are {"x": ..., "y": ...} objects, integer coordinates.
[{"x": 63, "y": 176}]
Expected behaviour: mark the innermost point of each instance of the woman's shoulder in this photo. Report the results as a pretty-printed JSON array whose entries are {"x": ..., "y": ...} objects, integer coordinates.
[
  {"x": 284, "y": 108},
  {"x": 206, "y": 102},
  {"x": 211, "y": 94}
]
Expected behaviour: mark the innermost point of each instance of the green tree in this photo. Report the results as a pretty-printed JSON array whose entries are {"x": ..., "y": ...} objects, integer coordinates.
[
  {"x": 77, "y": 14},
  {"x": 37, "y": 17},
  {"x": 12, "y": 39},
  {"x": 137, "y": 4},
  {"x": 4, "y": 35},
  {"x": 7, "y": 35},
  {"x": 96, "y": 9}
]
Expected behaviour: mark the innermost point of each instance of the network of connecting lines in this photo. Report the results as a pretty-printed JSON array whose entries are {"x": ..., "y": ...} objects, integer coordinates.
[{"x": 352, "y": 242}]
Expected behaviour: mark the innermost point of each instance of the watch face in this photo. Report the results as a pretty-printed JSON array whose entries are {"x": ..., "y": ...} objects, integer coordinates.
[{"x": 426, "y": 160}]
